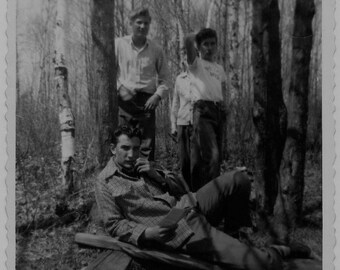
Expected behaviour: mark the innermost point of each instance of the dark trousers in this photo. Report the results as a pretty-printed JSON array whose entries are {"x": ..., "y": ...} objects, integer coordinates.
[
  {"x": 184, "y": 147},
  {"x": 206, "y": 141},
  {"x": 132, "y": 113},
  {"x": 226, "y": 197}
]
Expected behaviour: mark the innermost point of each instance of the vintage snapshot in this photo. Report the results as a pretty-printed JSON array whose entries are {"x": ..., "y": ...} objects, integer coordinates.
[{"x": 179, "y": 134}]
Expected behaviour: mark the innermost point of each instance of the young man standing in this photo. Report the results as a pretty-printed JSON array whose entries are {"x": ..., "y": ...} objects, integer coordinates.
[
  {"x": 181, "y": 120},
  {"x": 141, "y": 79},
  {"x": 133, "y": 198},
  {"x": 209, "y": 99}
]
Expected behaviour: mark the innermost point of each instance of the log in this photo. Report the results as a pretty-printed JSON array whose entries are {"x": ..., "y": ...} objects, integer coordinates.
[
  {"x": 68, "y": 217},
  {"x": 175, "y": 259}
]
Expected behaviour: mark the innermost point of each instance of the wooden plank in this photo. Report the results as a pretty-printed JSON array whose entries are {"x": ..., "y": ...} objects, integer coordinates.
[
  {"x": 99, "y": 241},
  {"x": 303, "y": 264},
  {"x": 99, "y": 259},
  {"x": 109, "y": 260}
]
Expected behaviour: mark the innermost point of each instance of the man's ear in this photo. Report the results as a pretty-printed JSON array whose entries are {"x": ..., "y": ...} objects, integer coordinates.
[{"x": 113, "y": 148}]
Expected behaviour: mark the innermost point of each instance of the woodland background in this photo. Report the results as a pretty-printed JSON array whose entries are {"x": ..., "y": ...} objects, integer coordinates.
[{"x": 45, "y": 230}]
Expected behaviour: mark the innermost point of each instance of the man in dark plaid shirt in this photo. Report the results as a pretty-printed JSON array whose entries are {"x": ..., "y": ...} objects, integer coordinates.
[{"x": 133, "y": 198}]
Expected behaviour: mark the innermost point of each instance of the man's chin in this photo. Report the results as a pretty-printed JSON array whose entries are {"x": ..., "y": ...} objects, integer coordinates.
[{"x": 128, "y": 167}]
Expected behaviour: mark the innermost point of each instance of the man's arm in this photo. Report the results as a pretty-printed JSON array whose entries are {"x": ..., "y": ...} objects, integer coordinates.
[
  {"x": 114, "y": 222},
  {"x": 162, "y": 87},
  {"x": 189, "y": 43},
  {"x": 174, "y": 110},
  {"x": 162, "y": 75},
  {"x": 117, "y": 44},
  {"x": 166, "y": 179}
]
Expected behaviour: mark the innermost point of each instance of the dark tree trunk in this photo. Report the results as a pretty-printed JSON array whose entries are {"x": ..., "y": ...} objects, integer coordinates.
[
  {"x": 295, "y": 150},
  {"x": 104, "y": 85},
  {"x": 269, "y": 111}
]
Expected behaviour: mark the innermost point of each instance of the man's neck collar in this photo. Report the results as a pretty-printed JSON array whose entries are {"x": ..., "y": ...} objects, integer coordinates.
[
  {"x": 139, "y": 42},
  {"x": 121, "y": 170}
]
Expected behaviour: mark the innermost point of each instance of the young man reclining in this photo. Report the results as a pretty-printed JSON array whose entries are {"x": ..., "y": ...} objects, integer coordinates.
[{"x": 133, "y": 198}]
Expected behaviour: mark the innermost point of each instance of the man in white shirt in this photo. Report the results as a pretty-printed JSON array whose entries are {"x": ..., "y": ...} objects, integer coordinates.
[
  {"x": 181, "y": 120},
  {"x": 141, "y": 79},
  {"x": 209, "y": 99}
]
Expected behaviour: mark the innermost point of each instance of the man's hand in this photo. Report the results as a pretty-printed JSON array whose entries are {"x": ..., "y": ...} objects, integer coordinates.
[
  {"x": 125, "y": 93},
  {"x": 174, "y": 131},
  {"x": 159, "y": 234},
  {"x": 152, "y": 102},
  {"x": 144, "y": 166}
]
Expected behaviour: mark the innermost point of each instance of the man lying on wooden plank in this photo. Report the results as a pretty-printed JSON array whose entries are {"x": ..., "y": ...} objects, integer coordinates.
[{"x": 136, "y": 203}]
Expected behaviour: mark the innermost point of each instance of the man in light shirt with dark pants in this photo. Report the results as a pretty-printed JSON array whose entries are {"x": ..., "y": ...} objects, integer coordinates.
[
  {"x": 141, "y": 79},
  {"x": 209, "y": 99}
]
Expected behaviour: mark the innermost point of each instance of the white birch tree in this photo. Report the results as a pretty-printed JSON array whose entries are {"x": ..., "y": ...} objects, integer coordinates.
[{"x": 66, "y": 118}]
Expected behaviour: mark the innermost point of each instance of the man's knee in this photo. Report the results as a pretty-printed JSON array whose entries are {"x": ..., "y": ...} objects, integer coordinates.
[
  {"x": 236, "y": 180},
  {"x": 242, "y": 180}
]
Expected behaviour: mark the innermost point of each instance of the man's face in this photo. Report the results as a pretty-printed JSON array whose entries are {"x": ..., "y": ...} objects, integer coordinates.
[
  {"x": 140, "y": 26},
  {"x": 127, "y": 151},
  {"x": 208, "y": 49}
]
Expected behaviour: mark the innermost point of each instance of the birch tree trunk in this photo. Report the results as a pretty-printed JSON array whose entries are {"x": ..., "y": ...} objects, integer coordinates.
[
  {"x": 269, "y": 111},
  {"x": 104, "y": 85},
  {"x": 66, "y": 119},
  {"x": 295, "y": 150},
  {"x": 210, "y": 11}
]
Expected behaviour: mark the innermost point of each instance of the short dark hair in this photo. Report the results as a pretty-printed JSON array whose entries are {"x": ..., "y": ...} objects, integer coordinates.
[
  {"x": 126, "y": 130},
  {"x": 139, "y": 12},
  {"x": 204, "y": 34}
]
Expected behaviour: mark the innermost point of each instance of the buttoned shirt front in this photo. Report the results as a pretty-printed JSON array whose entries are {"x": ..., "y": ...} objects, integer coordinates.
[
  {"x": 181, "y": 108},
  {"x": 141, "y": 70},
  {"x": 129, "y": 205}
]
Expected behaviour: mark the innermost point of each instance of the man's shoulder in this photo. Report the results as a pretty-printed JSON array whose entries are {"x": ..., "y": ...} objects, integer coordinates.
[
  {"x": 123, "y": 40},
  {"x": 211, "y": 64},
  {"x": 182, "y": 75},
  {"x": 109, "y": 170},
  {"x": 154, "y": 45},
  {"x": 220, "y": 66}
]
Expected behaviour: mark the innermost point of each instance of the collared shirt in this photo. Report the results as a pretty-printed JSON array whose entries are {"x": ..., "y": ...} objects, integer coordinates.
[
  {"x": 206, "y": 80},
  {"x": 181, "y": 108},
  {"x": 143, "y": 69},
  {"x": 129, "y": 205}
]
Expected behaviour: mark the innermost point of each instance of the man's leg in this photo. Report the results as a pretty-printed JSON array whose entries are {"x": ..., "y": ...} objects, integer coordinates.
[
  {"x": 205, "y": 158},
  {"x": 226, "y": 196},
  {"x": 184, "y": 152},
  {"x": 132, "y": 113},
  {"x": 147, "y": 125},
  {"x": 213, "y": 245},
  {"x": 221, "y": 134}
]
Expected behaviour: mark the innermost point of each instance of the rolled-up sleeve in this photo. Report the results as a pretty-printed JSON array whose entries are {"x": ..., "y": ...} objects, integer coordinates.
[
  {"x": 173, "y": 184},
  {"x": 114, "y": 221},
  {"x": 163, "y": 75}
]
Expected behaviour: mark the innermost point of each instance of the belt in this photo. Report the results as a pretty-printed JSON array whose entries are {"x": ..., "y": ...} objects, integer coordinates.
[
  {"x": 216, "y": 103},
  {"x": 139, "y": 92}
]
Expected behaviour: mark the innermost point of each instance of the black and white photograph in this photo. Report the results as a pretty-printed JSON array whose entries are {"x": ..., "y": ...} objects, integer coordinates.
[{"x": 179, "y": 134}]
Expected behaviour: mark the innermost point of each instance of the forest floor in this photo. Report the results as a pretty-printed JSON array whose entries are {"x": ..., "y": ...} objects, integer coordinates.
[{"x": 45, "y": 240}]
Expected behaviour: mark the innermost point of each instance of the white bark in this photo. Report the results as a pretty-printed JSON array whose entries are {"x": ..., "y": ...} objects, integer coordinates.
[
  {"x": 66, "y": 119},
  {"x": 210, "y": 11}
]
